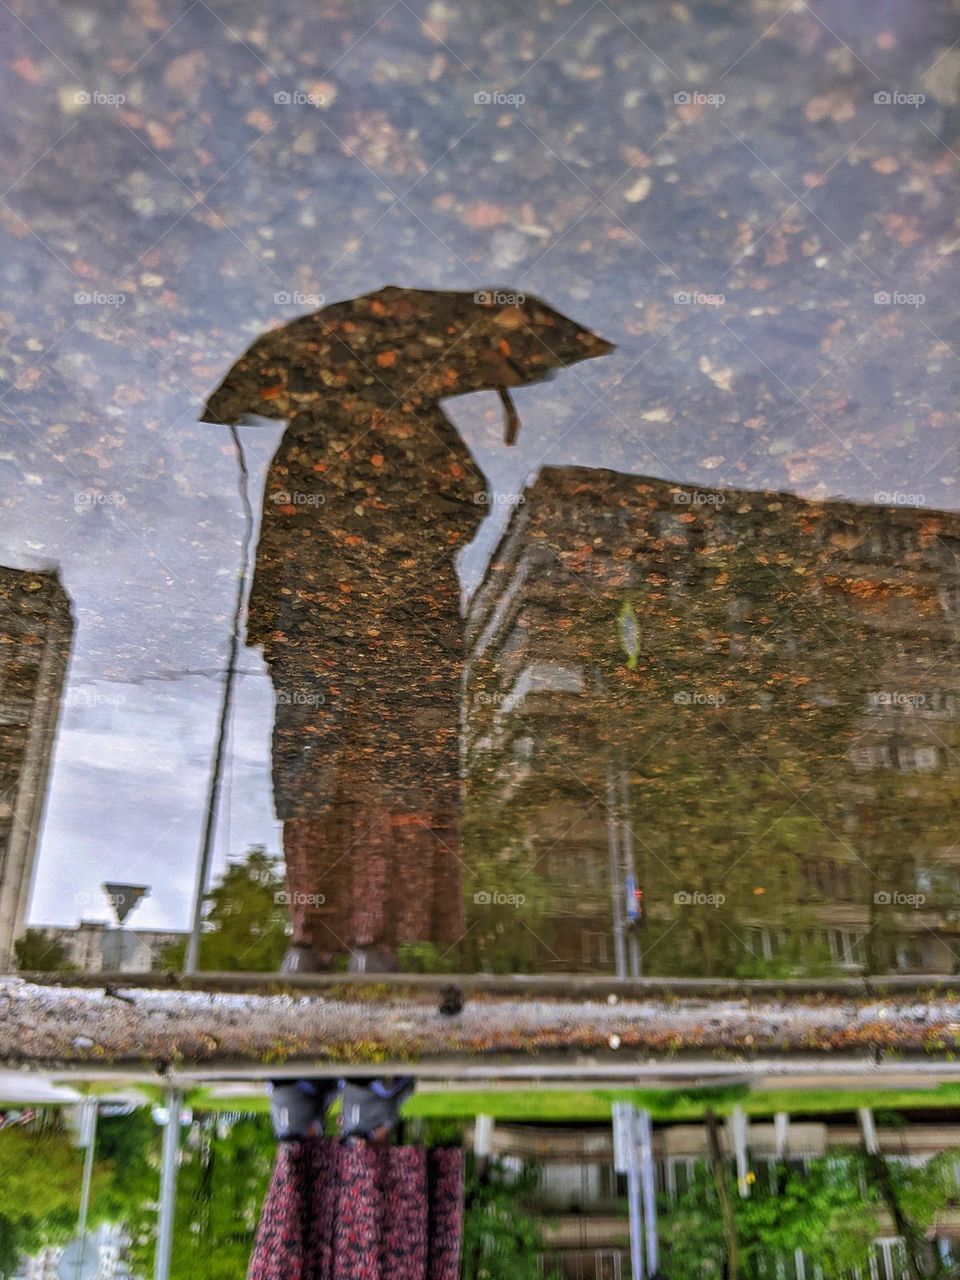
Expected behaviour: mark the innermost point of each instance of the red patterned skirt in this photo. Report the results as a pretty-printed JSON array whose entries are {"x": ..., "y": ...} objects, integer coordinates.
[{"x": 366, "y": 1211}]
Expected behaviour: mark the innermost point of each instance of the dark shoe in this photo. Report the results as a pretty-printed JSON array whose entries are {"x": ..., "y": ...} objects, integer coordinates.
[{"x": 300, "y": 958}]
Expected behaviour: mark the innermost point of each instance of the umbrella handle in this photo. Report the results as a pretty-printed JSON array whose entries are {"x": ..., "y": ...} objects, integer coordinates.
[{"x": 511, "y": 425}]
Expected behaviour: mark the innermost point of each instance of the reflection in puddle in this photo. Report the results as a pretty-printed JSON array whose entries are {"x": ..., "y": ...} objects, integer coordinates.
[{"x": 680, "y": 730}]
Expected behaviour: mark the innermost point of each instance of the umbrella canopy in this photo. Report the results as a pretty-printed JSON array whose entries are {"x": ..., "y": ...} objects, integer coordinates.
[{"x": 403, "y": 346}]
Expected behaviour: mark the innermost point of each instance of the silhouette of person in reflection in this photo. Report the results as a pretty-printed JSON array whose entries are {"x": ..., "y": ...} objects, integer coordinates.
[{"x": 355, "y": 598}]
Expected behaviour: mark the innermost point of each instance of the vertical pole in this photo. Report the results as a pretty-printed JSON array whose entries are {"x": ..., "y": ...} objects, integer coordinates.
[
  {"x": 192, "y": 958},
  {"x": 625, "y": 1161},
  {"x": 88, "y": 1136},
  {"x": 616, "y": 876},
  {"x": 168, "y": 1185},
  {"x": 636, "y": 959},
  {"x": 483, "y": 1127},
  {"x": 649, "y": 1187},
  {"x": 781, "y": 1129},
  {"x": 869, "y": 1130},
  {"x": 718, "y": 1167},
  {"x": 738, "y": 1132}
]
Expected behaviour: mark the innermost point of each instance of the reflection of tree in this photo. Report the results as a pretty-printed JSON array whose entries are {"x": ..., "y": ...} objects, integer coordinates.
[
  {"x": 36, "y": 953},
  {"x": 221, "y": 1186},
  {"x": 245, "y": 921},
  {"x": 500, "y": 1240},
  {"x": 907, "y": 834},
  {"x": 40, "y": 1172},
  {"x": 750, "y": 681},
  {"x": 129, "y": 1145},
  {"x": 507, "y": 903},
  {"x": 224, "y": 1169}
]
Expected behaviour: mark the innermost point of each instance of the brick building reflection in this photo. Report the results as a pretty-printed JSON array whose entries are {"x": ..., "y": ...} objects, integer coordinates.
[
  {"x": 747, "y": 701},
  {"x": 36, "y": 630}
]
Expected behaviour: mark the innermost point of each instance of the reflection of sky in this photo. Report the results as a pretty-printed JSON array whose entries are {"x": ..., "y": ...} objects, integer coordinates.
[{"x": 200, "y": 199}]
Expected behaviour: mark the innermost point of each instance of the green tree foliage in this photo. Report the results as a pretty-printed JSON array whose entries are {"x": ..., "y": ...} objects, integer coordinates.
[
  {"x": 40, "y": 1176},
  {"x": 223, "y": 1180},
  {"x": 225, "y": 1165},
  {"x": 9, "y": 1248},
  {"x": 36, "y": 953},
  {"x": 818, "y": 1209},
  {"x": 500, "y": 1240},
  {"x": 245, "y": 918},
  {"x": 129, "y": 1146}
]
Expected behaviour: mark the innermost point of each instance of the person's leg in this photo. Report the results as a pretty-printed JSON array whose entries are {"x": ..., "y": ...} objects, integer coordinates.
[
  {"x": 278, "y": 1250},
  {"x": 371, "y": 1107},
  {"x": 404, "y": 1214},
  {"x": 298, "y": 1108},
  {"x": 445, "y": 1228},
  {"x": 357, "y": 1215}
]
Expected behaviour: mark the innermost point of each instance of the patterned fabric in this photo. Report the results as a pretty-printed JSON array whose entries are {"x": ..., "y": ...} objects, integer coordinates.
[{"x": 363, "y": 1211}]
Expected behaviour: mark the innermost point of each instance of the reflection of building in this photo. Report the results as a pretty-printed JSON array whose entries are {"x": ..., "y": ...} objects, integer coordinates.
[
  {"x": 93, "y": 946},
  {"x": 35, "y": 634},
  {"x": 752, "y": 698}
]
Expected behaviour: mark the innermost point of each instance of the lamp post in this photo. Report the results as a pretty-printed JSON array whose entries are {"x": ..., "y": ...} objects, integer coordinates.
[
  {"x": 88, "y": 1140},
  {"x": 170, "y": 1159},
  {"x": 625, "y": 1161}
]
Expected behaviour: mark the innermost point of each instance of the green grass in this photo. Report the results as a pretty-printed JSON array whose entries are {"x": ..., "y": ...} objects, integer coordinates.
[
  {"x": 595, "y": 1104},
  {"x": 591, "y": 1105}
]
